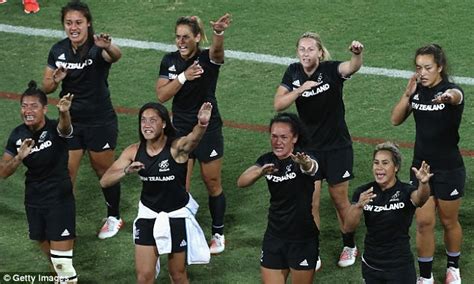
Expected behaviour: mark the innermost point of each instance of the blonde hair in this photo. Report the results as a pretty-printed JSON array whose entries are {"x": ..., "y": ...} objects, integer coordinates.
[
  {"x": 195, "y": 23},
  {"x": 326, "y": 55},
  {"x": 392, "y": 148}
]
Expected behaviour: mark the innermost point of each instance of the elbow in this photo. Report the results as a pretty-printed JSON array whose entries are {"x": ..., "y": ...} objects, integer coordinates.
[
  {"x": 395, "y": 120},
  {"x": 104, "y": 183},
  {"x": 278, "y": 106},
  {"x": 160, "y": 97}
]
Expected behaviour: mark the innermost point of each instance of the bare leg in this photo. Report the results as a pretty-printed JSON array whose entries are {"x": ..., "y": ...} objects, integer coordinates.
[
  {"x": 145, "y": 263},
  {"x": 274, "y": 276}
]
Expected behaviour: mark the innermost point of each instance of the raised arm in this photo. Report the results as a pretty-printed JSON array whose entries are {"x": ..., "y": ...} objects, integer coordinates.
[
  {"x": 9, "y": 163},
  {"x": 122, "y": 166},
  {"x": 216, "y": 51},
  {"x": 421, "y": 195},
  {"x": 253, "y": 173},
  {"x": 64, "y": 125},
  {"x": 347, "y": 68},
  {"x": 353, "y": 214},
  {"x": 450, "y": 96},
  {"x": 111, "y": 53},
  {"x": 402, "y": 109},
  {"x": 185, "y": 145},
  {"x": 166, "y": 89}
]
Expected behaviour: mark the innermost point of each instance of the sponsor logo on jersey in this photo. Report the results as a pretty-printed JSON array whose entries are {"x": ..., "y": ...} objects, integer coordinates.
[
  {"x": 155, "y": 178},
  {"x": 106, "y": 146},
  {"x": 387, "y": 207},
  {"x": 416, "y": 97},
  {"x": 136, "y": 234},
  {"x": 317, "y": 91},
  {"x": 183, "y": 243},
  {"x": 296, "y": 83},
  {"x": 319, "y": 81},
  {"x": 395, "y": 197},
  {"x": 74, "y": 65},
  {"x": 346, "y": 174},
  {"x": 172, "y": 68},
  {"x": 42, "y": 136},
  {"x": 288, "y": 169},
  {"x": 304, "y": 263},
  {"x": 65, "y": 233},
  {"x": 438, "y": 94},
  {"x": 172, "y": 76},
  {"x": 423, "y": 107},
  {"x": 164, "y": 166},
  {"x": 62, "y": 56},
  {"x": 213, "y": 153},
  {"x": 286, "y": 177},
  {"x": 18, "y": 142},
  {"x": 42, "y": 146},
  {"x": 454, "y": 192}
]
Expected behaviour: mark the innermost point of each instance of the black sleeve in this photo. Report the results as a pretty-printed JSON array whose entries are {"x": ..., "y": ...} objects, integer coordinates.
[
  {"x": 164, "y": 65},
  {"x": 287, "y": 79},
  {"x": 11, "y": 147}
]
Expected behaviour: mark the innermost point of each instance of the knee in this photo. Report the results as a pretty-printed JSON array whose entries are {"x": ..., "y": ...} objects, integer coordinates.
[
  {"x": 145, "y": 276},
  {"x": 62, "y": 262},
  {"x": 425, "y": 224},
  {"x": 213, "y": 185},
  {"x": 450, "y": 223},
  {"x": 178, "y": 276}
]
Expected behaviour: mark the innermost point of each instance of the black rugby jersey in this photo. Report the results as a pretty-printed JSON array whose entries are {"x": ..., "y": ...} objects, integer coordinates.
[
  {"x": 289, "y": 216},
  {"x": 47, "y": 179},
  {"x": 163, "y": 180},
  {"x": 388, "y": 219},
  {"x": 191, "y": 96},
  {"x": 437, "y": 127},
  {"x": 87, "y": 79},
  {"x": 322, "y": 108}
]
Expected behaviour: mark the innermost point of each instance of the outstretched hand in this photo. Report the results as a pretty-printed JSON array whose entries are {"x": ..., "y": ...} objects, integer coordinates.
[
  {"x": 366, "y": 197},
  {"x": 356, "y": 47},
  {"x": 302, "y": 159},
  {"x": 103, "y": 40},
  {"x": 222, "y": 24},
  {"x": 65, "y": 102},
  {"x": 25, "y": 148},
  {"x": 423, "y": 174},
  {"x": 445, "y": 98},
  {"x": 204, "y": 114}
]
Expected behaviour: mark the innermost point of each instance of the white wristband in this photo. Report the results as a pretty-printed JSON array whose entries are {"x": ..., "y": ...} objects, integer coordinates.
[
  {"x": 182, "y": 78},
  {"x": 311, "y": 169},
  {"x": 218, "y": 33}
]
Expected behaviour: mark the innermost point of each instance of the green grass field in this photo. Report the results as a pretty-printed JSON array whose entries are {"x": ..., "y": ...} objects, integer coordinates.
[{"x": 390, "y": 31}]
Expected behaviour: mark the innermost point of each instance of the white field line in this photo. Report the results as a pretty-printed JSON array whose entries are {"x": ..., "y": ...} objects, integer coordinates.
[{"x": 240, "y": 55}]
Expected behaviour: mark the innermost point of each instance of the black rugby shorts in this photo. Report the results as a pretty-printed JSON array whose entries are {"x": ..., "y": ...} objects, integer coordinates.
[
  {"x": 143, "y": 233},
  {"x": 56, "y": 223}
]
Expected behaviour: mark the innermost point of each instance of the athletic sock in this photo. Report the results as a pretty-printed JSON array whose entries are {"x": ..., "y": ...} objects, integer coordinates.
[
  {"x": 348, "y": 239},
  {"x": 453, "y": 259},
  {"x": 112, "y": 199},
  {"x": 217, "y": 206},
  {"x": 426, "y": 265}
]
